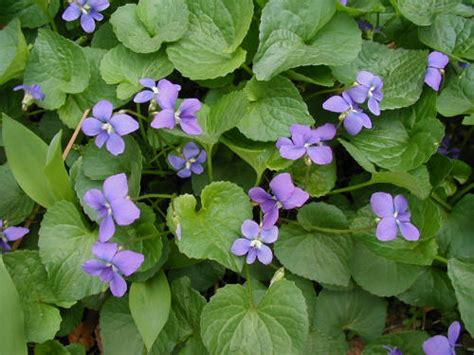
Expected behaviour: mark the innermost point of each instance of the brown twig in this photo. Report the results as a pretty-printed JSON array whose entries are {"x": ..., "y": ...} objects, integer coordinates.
[{"x": 74, "y": 135}]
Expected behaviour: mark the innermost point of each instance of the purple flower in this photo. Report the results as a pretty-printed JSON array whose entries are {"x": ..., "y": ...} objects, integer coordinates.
[
  {"x": 351, "y": 115},
  {"x": 368, "y": 86},
  {"x": 185, "y": 116},
  {"x": 305, "y": 140},
  {"x": 109, "y": 128},
  {"x": 112, "y": 206},
  {"x": 112, "y": 265},
  {"x": 254, "y": 242},
  {"x": 153, "y": 91},
  {"x": 392, "y": 350},
  {"x": 437, "y": 61},
  {"x": 32, "y": 92},
  {"x": 441, "y": 345},
  {"x": 394, "y": 215},
  {"x": 10, "y": 234},
  {"x": 285, "y": 195},
  {"x": 446, "y": 150},
  {"x": 190, "y": 162},
  {"x": 343, "y": 2},
  {"x": 88, "y": 10}
]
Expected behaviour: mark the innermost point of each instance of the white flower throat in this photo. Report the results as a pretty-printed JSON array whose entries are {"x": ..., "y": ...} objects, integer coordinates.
[
  {"x": 108, "y": 127},
  {"x": 256, "y": 243}
]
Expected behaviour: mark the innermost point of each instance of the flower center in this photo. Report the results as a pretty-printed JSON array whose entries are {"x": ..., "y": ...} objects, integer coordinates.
[
  {"x": 256, "y": 243},
  {"x": 279, "y": 204},
  {"x": 189, "y": 163},
  {"x": 109, "y": 208},
  {"x": 155, "y": 90},
  {"x": 108, "y": 127},
  {"x": 85, "y": 8},
  {"x": 371, "y": 90},
  {"x": 176, "y": 116}
]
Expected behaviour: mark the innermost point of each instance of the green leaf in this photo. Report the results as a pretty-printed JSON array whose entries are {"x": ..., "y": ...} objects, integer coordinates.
[
  {"x": 358, "y": 156},
  {"x": 12, "y": 337},
  {"x": 356, "y": 311},
  {"x": 15, "y": 205},
  {"x": 210, "y": 47},
  {"x": 458, "y": 95},
  {"x": 462, "y": 277},
  {"x": 72, "y": 111},
  {"x": 450, "y": 34},
  {"x": 315, "y": 255},
  {"x": 468, "y": 120},
  {"x": 402, "y": 72},
  {"x": 431, "y": 289},
  {"x": 295, "y": 33},
  {"x": 14, "y": 51},
  {"x": 425, "y": 215},
  {"x": 422, "y": 12},
  {"x": 64, "y": 245},
  {"x": 150, "y": 304},
  {"x": 59, "y": 66},
  {"x": 277, "y": 325},
  {"x": 123, "y": 67},
  {"x": 27, "y": 161},
  {"x": 359, "y": 7},
  {"x": 455, "y": 236},
  {"x": 319, "y": 343},
  {"x": 31, "y": 13},
  {"x": 402, "y": 140},
  {"x": 144, "y": 27},
  {"x": 210, "y": 232},
  {"x": 380, "y": 276},
  {"x": 318, "y": 181},
  {"x": 408, "y": 342},
  {"x": 54, "y": 347},
  {"x": 274, "y": 106},
  {"x": 42, "y": 320}
]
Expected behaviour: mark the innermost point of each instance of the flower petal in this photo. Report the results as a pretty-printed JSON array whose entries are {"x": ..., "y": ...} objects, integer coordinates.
[
  {"x": 292, "y": 152},
  {"x": 116, "y": 187},
  {"x": 352, "y": 124},
  {"x": 123, "y": 124},
  {"x": 374, "y": 106},
  {"x": 115, "y": 144},
  {"x": 105, "y": 251},
  {"x": 118, "y": 286},
  {"x": 437, "y": 345},
  {"x": 326, "y": 132},
  {"x": 264, "y": 255},
  {"x": 176, "y": 162},
  {"x": 184, "y": 173},
  {"x": 103, "y": 110},
  {"x": 15, "y": 233},
  {"x": 164, "y": 119},
  {"x": 240, "y": 247},
  {"x": 202, "y": 157},
  {"x": 409, "y": 231},
  {"x": 197, "y": 168},
  {"x": 167, "y": 95},
  {"x": 93, "y": 267},
  {"x": 106, "y": 229},
  {"x": 365, "y": 78},
  {"x": 386, "y": 229},
  {"x": 321, "y": 155},
  {"x": 72, "y": 13},
  {"x": 101, "y": 139},
  {"x": 99, "y": 5},
  {"x": 336, "y": 104},
  {"x": 190, "y": 150},
  {"x": 454, "y": 331},
  {"x": 128, "y": 261},
  {"x": 143, "y": 96},
  {"x": 269, "y": 235},
  {"x": 251, "y": 256},
  {"x": 259, "y": 195},
  {"x": 433, "y": 78},
  {"x": 148, "y": 83},
  {"x": 382, "y": 204},
  {"x": 94, "y": 199},
  {"x": 438, "y": 60},
  {"x": 358, "y": 93},
  {"x": 270, "y": 217},
  {"x": 400, "y": 203},
  {"x": 250, "y": 229},
  {"x": 190, "y": 126},
  {"x": 87, "y": 23},
  {"x": 189, "y": 108},
  {"x": 297, "y": 199},
  {"x": 282, "y": 186},
  {"x": 125, "y": 212},
  {"x": 282, "y": 141},
  {"x": 92, "y": 127}
]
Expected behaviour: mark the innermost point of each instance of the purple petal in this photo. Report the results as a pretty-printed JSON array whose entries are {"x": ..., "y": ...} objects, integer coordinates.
[
  {"x": 190, "y": 126},
  {"x": 453, "y": 332},
  {"x": 99, "y": 5},
  {"x": 148, "y": 83},
  {"x": 352, "y": 124},
  {"x": 128, "y": 261},
  {"x": 438, "y": 60},
  {"x": 92, "y": 127},
  {"x": 94, "y": 199},
  {"x": 176, "y": 162},
  {"x": 259, "y": 195},
  {"x": 202, "y": 157},
  {"x": 167, "y": 94},
  {"x": 184, "y": 173},
  {"x": 116, "y": 187},
  {"x": 105, "y": 251},
  {"x": 382, "y": 204},
  {"x": 106, "y": 229},
  {"x": 401, "y": 204},
  {"x": 264, "y": 255},
  {"x": 123, "y": 124},
  {"x": 374, "y": 106},
  {"x": 283, "y": 141},
  {"x": 107, "y": 274},
  {"x": 386, "y": 229},
  {"x": 292, "y": 152},
  {"x": 96, "y": 15},
  {"x": 320, "y": 155},
  {"x": 433, "y": 78},
  {"x": 250, "y": 229},
  {"x": 297, "y": 199},
  {"x": 118, "y": 286},
  {"x": 409, "y": 231},
  {"x": 125, "y": 212},
  {"x": 365, "y": 78},
  {"x": 164, "y": 119},
  {"x": 143, "y": 96},
  {"x": 190, "y": 150},
  {"x": 359, "y": 93},
  {"x": 103, "y": 110},
  {"x": 326, "y": 132},
  {"x": 437, "y": 345},
  {"x": 251, "y": 256},
  {"x": 197, "y": 168},
  {"x": 269, "y": 235},
  {"x": 336, "y": 104},
  {"x": 240, "y": 247},
  {"x": 282, "y": 186},
  {"x": 93, "y": 267},
  {"x": 15, "y": 233},
  {"x": 404, "y": 217},
  {"x": 189, "y": 108},
  {"x": 4, "y": 245},
  {"x": 36, "y": 92},
  {"x": 366, "y": 122},
  {"x": 87, "y": 23},
  {"x": 1, "y": 223},
  {"x": 20, "y": 87},
  {"x": 115, "y": 144},
  {"x": 72, "y": 13},
  {"x": 270, "y": 217},
  {"x": 101, "y": 139}
]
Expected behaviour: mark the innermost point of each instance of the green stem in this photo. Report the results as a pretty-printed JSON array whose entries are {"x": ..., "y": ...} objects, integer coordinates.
[
  {"x": 32, "y": 113},
  {"x": 147, "y": 196},
  {"x": 307, "y": 174},
  {"x": 142, "y": 123},
  {"x": 351, "y": 188},
  {"x": 441, "y": 202},
  {"x": 441, "y": 259},
  {"x": 155, "y": 172},
  {"x": 209, "y": 162},
  {"x": 249, "y": 283},
  {"x": 322, "y": 92},
  {"x": 258, "y": 179},
  {"x": 331, "y": 230},
  {"x": 53, "y": 25},
  {"x": 136, "y": 114},
  {"x": 462, "y": 192},
  {"x": 247, "y": 69}
]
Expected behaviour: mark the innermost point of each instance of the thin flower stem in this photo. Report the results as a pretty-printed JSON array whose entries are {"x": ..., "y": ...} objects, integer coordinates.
[
  {"x": 249, "y": 283},
  {"x": 209, "y": 162},
  {"x": 351, "y": 188},
  {"x": 258, "y": 179},
  {"x": 53, "y": 24},
  {"x": 156, "y": 172},
  {"x": 322, "y": 92},
  {"x": 75, "y": 134},
  {"x": 441, "y": 202},
  {"x": 147, "y": 196},
  {"x": 247, "y": 69},
  {"x": 331, "y": 230},
  {"x": 306, "y": 176},
  {"x": 142, "y": 123},
  {"x": 441, "y": 259},
  {"x": 32, "y": 113},
  {"x": 136, "y": 114},
  {"x": 462, "y": 192}
]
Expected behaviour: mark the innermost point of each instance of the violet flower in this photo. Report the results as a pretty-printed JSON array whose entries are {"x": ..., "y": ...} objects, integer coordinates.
[
  {"x": 285, "y": 195},
  {"x": 113, "y": 206},
  {"x": 10, "y": 234},
  {"x": 184, "y": 116},
  {"x": 152, "y": 90},
  {"x": 352, "y": 117},
  {"x": 392, "y": 350},
  {"x": 87, "y": 10},
  {"x": 368, "y": 86},
  {"x": 108, "y": 128},
  {"x": 253, "y": 243},
  {"x": 190, "y": 162},
  {"x": 113, "y": 265},
  {"x": 441, "y": 345},
  {"x": 437, "y": 61},
  {"x": 32, "y": 92},
  {"x": 343, "y": 2},
  {"x": 307, "y": 141},
  {"x": 444, "y": 148},
  {"x": 394, "y": 215}
]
